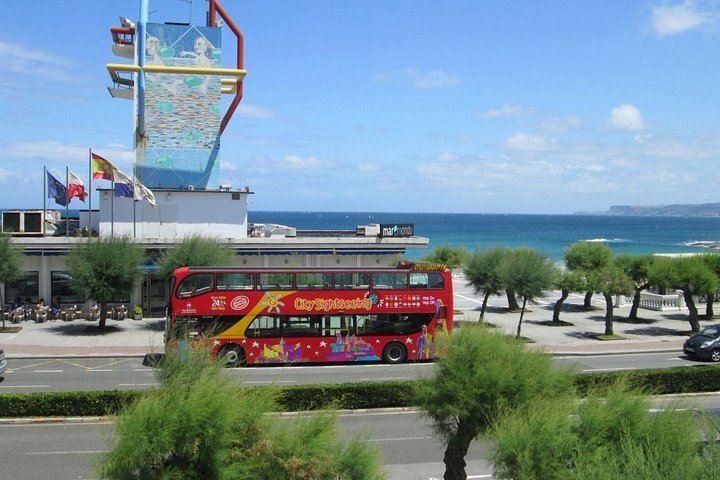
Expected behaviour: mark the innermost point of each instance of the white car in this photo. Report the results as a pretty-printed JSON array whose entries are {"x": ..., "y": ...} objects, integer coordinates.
[{"x": 3, "y": 362}]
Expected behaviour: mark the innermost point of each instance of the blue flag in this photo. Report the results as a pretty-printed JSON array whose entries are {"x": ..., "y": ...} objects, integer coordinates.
[
  {"x": 56, "y": 190},
  {"x": 124, "y": 190}
]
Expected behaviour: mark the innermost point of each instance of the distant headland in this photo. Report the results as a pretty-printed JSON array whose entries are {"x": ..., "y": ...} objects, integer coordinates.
[{"x": 675, "y": 210}]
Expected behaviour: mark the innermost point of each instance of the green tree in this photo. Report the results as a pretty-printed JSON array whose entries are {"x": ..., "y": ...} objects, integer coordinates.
[
  {"x": 197, "y": 425},
  {"x": 11, "y": 258},
  {"x": 588, "y": 257},
  {"x": 689, "y": 274},
  {"x": 568, "y": 281},
  {"x": 529, "y": 274},
  {"x": 712, "y": 260},
  {"x": 610, "y": 435},
  {"x": 483, "y": 374},
  {"x": 609, "y": 281},
  {"x": 194, "y": 251},
  {"x": 106, "y": 268},
  {"x": 453, "y": 257},
  {"x": 482, "y": 273},
  {"x": 637, "y": 267}
]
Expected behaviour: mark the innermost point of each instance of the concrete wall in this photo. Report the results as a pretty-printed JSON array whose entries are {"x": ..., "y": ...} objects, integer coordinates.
[{"x": 178, "y": 214}]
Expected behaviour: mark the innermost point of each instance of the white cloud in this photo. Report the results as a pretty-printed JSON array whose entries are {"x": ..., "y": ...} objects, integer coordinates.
[
  {"x": 669, "y": 20},
  {"x": 308, "y": 163},
  {"x": 557, "y": 124},
  {"x": 255, "y": 111},
  {"x": 369, "y": 167},
  {"x": 58, "y": 153},
  {"x": 506, "y": 110},
  {"x": 48, "y": 150},
  {"x": 626, "y": 117},
  {"x": 18, "y": 59},
  {"x": 526, "y": 142},
  {"x": 425, "y": 80}
]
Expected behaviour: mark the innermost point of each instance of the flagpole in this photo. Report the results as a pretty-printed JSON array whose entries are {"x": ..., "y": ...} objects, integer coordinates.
[
  {"x": 90, "y": 192},
  {"x": 133, "y": 200},
  {"x": 67, "y": 203},
  {"x": 112, "y": 205},
  {"x": 44, "y": 199}
]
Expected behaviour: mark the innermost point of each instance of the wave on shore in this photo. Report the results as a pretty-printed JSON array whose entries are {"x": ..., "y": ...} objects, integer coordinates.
[{"x": 605, "y": 240}]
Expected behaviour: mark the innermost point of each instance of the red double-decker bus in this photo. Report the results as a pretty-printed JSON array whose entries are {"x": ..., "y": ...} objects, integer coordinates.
[{"x": 314, "y": 315}]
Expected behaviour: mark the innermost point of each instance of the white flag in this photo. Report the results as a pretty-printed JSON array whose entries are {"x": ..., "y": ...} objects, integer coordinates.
[
  {"x": 124, "y": 186},
  {"x": 145, "y": 193}
]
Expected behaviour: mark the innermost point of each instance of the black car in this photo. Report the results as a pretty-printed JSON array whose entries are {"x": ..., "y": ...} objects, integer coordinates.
[{"x": 705, "y": 344}]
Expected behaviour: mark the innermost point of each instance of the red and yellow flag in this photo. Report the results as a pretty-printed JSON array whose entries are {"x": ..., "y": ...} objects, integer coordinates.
[{"x": 102, "y": 168}]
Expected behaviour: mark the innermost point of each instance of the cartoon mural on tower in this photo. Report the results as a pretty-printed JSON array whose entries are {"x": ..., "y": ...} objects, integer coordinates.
[{"x": 182, "y": 111}]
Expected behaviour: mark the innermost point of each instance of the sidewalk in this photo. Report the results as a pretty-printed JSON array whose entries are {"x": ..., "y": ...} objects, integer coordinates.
[{"x": 81, "y": 338}]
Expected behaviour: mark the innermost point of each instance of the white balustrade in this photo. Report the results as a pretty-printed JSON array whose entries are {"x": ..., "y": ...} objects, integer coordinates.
[{"x": 655, "y": 301}]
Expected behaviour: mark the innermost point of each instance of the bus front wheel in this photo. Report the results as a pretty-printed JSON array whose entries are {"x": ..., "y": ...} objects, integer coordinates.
[
  {"x": 395, "y": 352},
  {"x": 234, "y": 355}
]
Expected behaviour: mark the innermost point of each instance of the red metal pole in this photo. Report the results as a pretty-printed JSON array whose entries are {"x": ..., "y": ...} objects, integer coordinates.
[{"x": 216, "y": 8}]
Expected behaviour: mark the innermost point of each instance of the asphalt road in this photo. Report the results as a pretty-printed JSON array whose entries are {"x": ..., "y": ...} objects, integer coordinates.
[
  {"x": 408, "y": 449},
  {"x": 71, "y": 450},
  {"x": 82, "y": 374}
]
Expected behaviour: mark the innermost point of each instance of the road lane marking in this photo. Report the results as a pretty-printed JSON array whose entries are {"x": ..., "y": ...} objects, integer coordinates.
[
  {"x": 607, "y": 355},
  {"x": 79, "y": 365},
  {"x": 123, "y": 360},
  {"x": 268, "y": 381},
  {"x": 100, "y": 370},
  {"x": 24, "y": 386},
  {"x": 399, "y": 439},
  {"x": 383, "y": 379},
  {"x": 69, "y": 452},
  {"x": 607, "y": 369},
  {"x": 15, "y": 369},
  {"x": 467, "y": 298},
  {"x": 47, "y": 371},
  {"x": 487, "y": 475}
]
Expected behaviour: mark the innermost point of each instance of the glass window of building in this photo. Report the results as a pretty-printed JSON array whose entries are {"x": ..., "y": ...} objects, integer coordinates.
[
  {"x": 60, "y": 289},
  {"x": 26, "y": 287}
]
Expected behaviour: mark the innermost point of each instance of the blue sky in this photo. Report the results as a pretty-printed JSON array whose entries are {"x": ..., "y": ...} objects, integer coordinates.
[{"x": 399, "y": 106}]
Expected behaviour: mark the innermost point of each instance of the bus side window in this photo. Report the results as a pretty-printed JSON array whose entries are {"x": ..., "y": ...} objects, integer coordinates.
[
  {"x": 195, "y": 284},
  {"x": 234, "y": 281},
  {"x": 435, "y": 280},
  {"x": 363, "y": 322},
  {"x": 264, "y": 326},
  {"x": 418, "y": 280}
]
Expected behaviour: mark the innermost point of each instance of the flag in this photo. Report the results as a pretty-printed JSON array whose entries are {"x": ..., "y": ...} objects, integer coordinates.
[
  {"x": 102, "y": 168},
  {"x": 146, "y": 193},
  {"x": 56, "y": 190},
  {"x": 76, "y": 187},
  {"x": 132, "y": 188},
  {"x": 124, "y": 186}
]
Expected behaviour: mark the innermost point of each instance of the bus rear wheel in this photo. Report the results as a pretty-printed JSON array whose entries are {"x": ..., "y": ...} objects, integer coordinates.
[
  {"x": 233, "y": 354},
  {"x": 394, "y": 353}
]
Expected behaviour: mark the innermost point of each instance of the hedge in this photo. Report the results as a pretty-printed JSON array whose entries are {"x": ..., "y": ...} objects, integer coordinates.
[{"x": 692, "y": 379}]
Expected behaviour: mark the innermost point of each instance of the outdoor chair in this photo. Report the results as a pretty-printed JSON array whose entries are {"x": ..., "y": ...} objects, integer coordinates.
[
  {"x": 41, "y": 315},
  {"x": 121, "y": 312},
  {"x": 17, "y": 315},
  {"x": 94, "y": 313},
  {"x": 68, "y": 314}
]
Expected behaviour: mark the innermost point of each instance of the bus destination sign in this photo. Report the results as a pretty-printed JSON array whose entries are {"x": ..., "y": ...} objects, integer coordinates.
[{"x": 397, "y": 230}]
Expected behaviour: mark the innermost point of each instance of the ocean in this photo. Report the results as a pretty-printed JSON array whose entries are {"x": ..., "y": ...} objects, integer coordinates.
[{"x": 549, "y": 234}]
